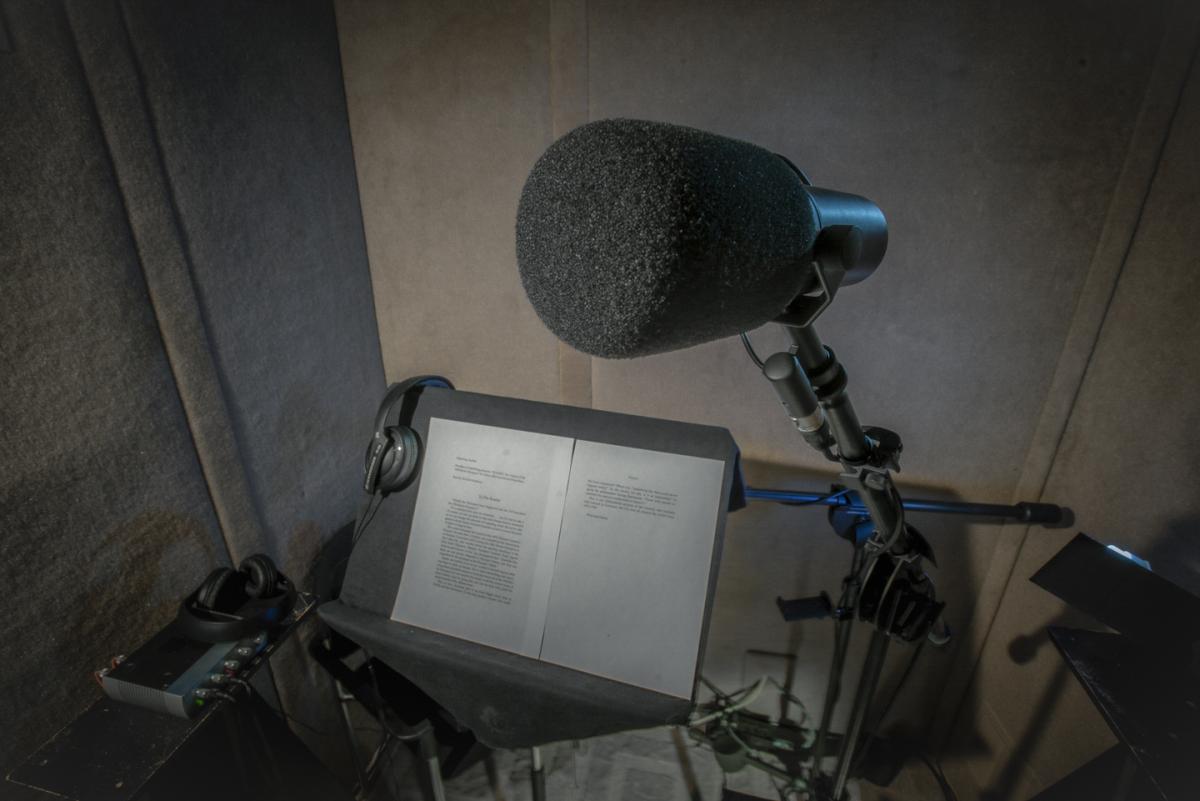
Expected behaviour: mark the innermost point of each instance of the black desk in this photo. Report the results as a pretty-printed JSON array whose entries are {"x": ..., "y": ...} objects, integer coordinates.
[
  {"x": 1151, "y": 706},
  {"x": 119, "y": 752},
  {"x": 1142, "y": 679}
]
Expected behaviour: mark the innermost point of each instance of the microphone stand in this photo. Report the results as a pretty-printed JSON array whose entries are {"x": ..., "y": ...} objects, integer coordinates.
[
  {"x": 886, "y": 586},
  {"x": 1046, "y": 514},
  {"x": 811, "y": 384}
]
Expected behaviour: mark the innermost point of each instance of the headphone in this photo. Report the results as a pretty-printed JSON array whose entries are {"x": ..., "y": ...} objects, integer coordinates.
[
  {"x": 899, "y": 601},
  {"x": 395, "y": 452},
  {"x": 233, "y": 604}
]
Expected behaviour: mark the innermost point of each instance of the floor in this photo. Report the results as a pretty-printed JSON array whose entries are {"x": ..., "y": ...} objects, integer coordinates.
[{"x": 633, "y": 766}]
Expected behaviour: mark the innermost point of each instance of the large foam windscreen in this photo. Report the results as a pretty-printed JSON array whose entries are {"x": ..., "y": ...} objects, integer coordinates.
[{"x": 638, "y": 237}]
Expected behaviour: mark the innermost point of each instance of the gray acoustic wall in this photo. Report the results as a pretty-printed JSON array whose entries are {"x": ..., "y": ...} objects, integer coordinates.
[
  {"x": 1012, "y": 147},
  {"x": 190, "y": 358}
]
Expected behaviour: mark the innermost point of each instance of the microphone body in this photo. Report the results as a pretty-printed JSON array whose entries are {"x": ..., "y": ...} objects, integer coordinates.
[
  {"x": 638, "y": 237},
  {"x": 857, "y": 224}
]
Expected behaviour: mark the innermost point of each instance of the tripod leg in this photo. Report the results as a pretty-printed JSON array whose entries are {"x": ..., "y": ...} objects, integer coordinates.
[
  {"x": 537, "y": 774},
  {"x": 872, "y": 668},
  {"x": 433, "y": 768},
  {"x": 841, "y": 642}
]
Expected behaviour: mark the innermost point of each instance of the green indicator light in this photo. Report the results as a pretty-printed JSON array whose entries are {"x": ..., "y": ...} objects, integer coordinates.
[{"x": 199, "y": 702}]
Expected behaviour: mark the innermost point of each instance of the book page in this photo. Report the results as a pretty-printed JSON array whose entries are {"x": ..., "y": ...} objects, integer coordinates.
[
  {"x": 631, "y": 577},
  {"x": 484, "y": 533}
]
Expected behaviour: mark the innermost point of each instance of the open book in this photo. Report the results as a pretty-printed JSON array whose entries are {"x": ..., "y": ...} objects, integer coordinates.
[{"x": 591, "y": 556}]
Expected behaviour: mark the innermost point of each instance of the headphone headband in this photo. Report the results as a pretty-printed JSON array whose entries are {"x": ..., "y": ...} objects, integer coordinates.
[
  {"x": 396, "y": 393},
  {"x": 392, "y": 400}
]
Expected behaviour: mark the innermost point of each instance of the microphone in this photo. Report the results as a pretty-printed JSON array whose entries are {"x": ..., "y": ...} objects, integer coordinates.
[{"x": 637, "y": 237}]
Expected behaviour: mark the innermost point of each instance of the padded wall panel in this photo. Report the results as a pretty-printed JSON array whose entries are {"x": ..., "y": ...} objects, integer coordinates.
[
  {"x": 187, "y": 169},
  {"x": 249, "y": 118},
  {"x": 449, "y": 106},
  {"x": 104, "y": 513},
  {"x": 114, "y": 81},
  {"x": 992, "y": 137},
  {"x": 250, "y": 114},
  {"x": 1128, "y": 465}
]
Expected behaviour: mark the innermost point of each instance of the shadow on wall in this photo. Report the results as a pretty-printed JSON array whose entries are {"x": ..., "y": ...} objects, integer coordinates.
[
  {"x": 1022, "y": 650},
  {"x": 1165, "y": 550},
  {"x": 774, "y": 550}
]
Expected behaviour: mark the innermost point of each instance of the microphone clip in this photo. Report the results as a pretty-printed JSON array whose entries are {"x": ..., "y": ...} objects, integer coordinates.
[
  {"x": 806, "y": 307},
  {"x": 838, "y": 251},
  {"x": 884, "y": 453}
]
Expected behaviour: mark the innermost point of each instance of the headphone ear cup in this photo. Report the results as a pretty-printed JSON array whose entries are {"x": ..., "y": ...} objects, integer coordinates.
[
  {"x": 214, "y": 590},
  {"x": 371, "y": 477},
  {"x": 261, "y": 574},
  {"x": 210, "y": 586},
  {"x": 399, "y": 462}
]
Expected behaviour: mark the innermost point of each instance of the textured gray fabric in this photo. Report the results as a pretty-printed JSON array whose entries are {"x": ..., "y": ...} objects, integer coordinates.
[
  {"x": 185, "y": 297},
  {"x": 509, "y": 700},
  {"x": 633, "y": 235},
  {"x": 1127, "y": 464},
  {"x": 146, "y": 194},
  {"x": 104, "y": 513},
  {"x": 250, "y": 113},
  {"x": 251, "y": 139}
]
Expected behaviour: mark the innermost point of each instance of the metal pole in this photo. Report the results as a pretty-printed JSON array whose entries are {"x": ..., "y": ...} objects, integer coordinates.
[
  {"x": 828, "y": 379},
  {"x": 843, "y": 628},
  {"x": 429, "y": 756},
  {"x": 867, "y": 683},
  {"x": 537, "y": 774},
  {"x": 348, "y": 730},
  {"x": 1045, "y": 513}
]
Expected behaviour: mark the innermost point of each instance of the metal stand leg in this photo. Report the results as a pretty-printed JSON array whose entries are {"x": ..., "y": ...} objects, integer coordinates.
[
  {"x": 343, "y": 697},
  {"x": 867, "y": 683},
  {"x": 841, "y": 642},
  {"x": 429, "y": 758},
  {"x": 537, "y": 774}
]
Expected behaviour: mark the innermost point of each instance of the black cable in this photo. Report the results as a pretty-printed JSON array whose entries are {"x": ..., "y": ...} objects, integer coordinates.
[
  {"x": 245, "y": 685},
  {"x": 404, "y": 738},
  {"x": 384, "y": 756},
  {"x": 750, "y": 350},
  {"x": 306, "y": 726},
  {"x": 361, "y": 520},
  {"x": 939, "y": 776},
  {"x": 716, "y": 691},
  {"x": 249, "y": 688},
  {"x": 898, "y": 529},
  {"x": 367, "y": 515}
]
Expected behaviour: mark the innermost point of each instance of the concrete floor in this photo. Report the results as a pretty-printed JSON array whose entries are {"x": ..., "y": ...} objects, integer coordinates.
[{"x": 632, "y": 766}]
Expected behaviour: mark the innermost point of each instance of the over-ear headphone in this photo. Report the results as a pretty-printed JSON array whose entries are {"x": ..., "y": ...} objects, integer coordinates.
[
  {"x": 897, "y": 600},
  {"x": 232, "y": 604},
  {"x": 394, "y": 452}
]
